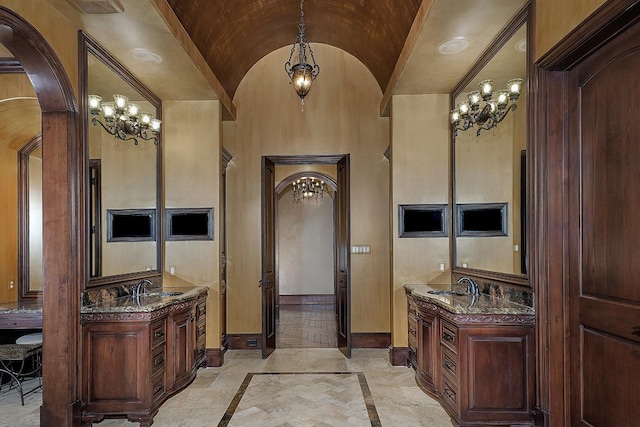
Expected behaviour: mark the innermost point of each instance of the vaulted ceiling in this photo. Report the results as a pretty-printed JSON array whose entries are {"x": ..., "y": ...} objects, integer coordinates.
[{"x": 234, "y": 35}]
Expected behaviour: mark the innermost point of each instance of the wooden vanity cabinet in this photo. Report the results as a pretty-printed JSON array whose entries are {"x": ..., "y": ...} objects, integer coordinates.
[
  {"x": 133, "y": 361},
  {"x": 200, "y": 356},
  {"x": 480, "y": 366}
]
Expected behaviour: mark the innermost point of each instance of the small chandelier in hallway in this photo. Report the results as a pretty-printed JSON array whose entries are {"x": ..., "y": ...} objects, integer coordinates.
[
  {"x": 302, "y": 73},
  {"x": 308, "y": 188}
]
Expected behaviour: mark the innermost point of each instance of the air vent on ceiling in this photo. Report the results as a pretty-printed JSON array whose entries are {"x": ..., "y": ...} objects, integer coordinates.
[{"x": 97, "y": 6}]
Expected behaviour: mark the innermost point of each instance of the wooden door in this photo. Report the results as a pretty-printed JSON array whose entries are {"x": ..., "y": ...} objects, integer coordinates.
[
  {"x": 268, "y": 280},
  {"x": 604, "y": 235},
  {"x": 343, "y": 244}
]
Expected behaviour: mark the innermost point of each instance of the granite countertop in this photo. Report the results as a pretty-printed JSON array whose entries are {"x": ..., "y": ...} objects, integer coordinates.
[
  {"x": 155, "y": 299},
  {"x": 32, "y": 306},
  {"x": 467, "y": 304}
]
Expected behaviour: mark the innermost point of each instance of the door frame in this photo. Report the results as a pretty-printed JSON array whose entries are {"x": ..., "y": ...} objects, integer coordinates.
[
  {"x": 550, "y": 261},
  {"x": 313, "y": 160}
]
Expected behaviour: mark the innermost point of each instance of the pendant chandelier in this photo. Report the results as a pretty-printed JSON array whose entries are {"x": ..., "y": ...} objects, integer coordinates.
[
  {"x": 302, "y": 74},
  {"x": 494, "y": 110},
  {"x": 308, "y": 188},
  {"x": 123, "y": 119}
]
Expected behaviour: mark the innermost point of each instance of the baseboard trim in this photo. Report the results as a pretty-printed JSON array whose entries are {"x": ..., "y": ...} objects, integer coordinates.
[
  {"x": 370, "y": 339},
  {"x": 244, "y": 341},
  {"x": 215, "y": 357},
  {"x": 307, "y": 299},
  {"x": 399, "y": 356}
]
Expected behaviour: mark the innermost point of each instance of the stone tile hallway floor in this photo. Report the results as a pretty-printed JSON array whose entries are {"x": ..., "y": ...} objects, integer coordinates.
[{"x": 325, "y": 391}]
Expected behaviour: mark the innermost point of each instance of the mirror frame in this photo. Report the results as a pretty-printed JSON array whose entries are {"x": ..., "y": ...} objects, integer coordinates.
[
  {"x": 24, "y": 268},
  {"x": 86, "y": 46},
  {"x": 521, "y": 18}
]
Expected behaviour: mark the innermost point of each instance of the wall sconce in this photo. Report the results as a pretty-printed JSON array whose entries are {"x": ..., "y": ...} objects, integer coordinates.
[
  {"x": 494, "y": 110},
  {"x": 124, "y": 120}
]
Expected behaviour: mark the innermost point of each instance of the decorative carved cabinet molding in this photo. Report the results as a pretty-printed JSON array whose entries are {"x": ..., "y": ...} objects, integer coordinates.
[
  {"x": 133, "y": 361},
  {"x": 479, "y": 366}
]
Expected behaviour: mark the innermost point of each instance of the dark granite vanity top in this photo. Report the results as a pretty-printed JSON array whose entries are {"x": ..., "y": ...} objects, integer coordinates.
[
  {"x": 466, "y": 304},
  {"x": 156, "y": 298}
]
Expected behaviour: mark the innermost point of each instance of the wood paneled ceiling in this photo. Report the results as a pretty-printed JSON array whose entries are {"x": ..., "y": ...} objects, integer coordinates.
[{"x": 233, "y": 35}]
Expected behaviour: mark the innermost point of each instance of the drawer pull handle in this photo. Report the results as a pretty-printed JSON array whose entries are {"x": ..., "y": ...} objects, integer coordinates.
[
  {"x": 158, "y": 388},
  {"x": 158, "y": 334},
  {"x": 450, "y": 394},
  {"x": 412, "y": 331},
  {"x": 158, "y": 361},
  {"x": 447, "y": 336},
  {"x": 201, "y": 351},
  {"x": 448, "y": 365}
]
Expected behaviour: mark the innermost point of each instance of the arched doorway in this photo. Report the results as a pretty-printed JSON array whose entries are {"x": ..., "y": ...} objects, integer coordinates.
[
  {"x": 305, "y": 285},
  {"x": 63, "y": 260}
]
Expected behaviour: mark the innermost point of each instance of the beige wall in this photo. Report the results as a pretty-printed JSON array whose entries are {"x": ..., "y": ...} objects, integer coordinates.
[
  {"x": 340, "y": 116},
  {"x": 192, "y": 162},
  {"x": 555, "y": 19},
  {"x": 9, "y": 221},
  {"x": 305, "y": 246},
  {"x": 420, "y": 174}
]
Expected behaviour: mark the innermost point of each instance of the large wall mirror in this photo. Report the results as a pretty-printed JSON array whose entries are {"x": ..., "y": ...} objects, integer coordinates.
[
  {"x": 489, "y": 178},
  {"x": 122, "y": 176}
]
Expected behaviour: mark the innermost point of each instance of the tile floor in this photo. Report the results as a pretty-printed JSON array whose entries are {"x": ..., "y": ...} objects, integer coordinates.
[
  {"x": 306, "y": 326},
  {"x": 323, "y": 392}
]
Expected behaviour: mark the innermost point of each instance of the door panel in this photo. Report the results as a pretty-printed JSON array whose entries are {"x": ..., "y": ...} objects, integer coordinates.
[
  {"x": 603, "y": 232},
  {"x": 343, "y": 244},
  {"x": 268, "y": 258}
]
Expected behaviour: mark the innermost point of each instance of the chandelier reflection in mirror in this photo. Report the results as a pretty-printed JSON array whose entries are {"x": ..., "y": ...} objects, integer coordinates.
[
  {"x": 308, "y": 188},
  {"x": 302, "y": 73},
  {"x": 123, "y": 119},
  {"x": 494, "y": 110}
]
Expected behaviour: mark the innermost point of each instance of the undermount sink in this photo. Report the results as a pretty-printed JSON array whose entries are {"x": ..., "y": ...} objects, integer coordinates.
[
  {"x": 164, "y": 294},
  {"x": 446, "y": 293}
]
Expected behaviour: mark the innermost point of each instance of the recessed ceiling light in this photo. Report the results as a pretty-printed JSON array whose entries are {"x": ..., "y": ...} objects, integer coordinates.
[
  {"x": 146, "y": 55},
  {"x": 521, "y": 45},
  {"x": 454, "y": 45}
]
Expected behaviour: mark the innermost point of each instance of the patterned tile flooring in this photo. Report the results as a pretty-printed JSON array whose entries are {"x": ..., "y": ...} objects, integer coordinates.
[
  {"x": 306, "y": 326},
  {"x": 325, "y": 390}
]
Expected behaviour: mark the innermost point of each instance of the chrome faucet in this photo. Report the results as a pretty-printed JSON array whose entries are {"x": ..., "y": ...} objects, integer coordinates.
[
  {"x": 142, "y": 285},
  {"x": 472, "y": 287}
]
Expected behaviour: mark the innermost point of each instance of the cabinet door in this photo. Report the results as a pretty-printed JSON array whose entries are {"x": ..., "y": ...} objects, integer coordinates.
[
  {"x": 427, "y": 350},
  {"x": 498, "y": 374},
  {"x": 181, "y": 345}
]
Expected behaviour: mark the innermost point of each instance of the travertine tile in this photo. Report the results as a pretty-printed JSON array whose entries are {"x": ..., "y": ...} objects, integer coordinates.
[{"x": 397, "y": 399}]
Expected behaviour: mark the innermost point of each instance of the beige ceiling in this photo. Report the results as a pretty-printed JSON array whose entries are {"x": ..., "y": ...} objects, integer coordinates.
[
  {"x": 20, "y": 121},
  {"x": 353, "y": 26}
]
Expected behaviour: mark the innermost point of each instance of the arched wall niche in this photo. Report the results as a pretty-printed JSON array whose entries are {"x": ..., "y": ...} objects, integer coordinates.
[{"x": 63, "y": 260}]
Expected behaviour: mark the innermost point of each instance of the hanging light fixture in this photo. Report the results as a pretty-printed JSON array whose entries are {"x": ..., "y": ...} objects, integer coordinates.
[
  {"x": 494, "y": 110},
  {"x": 308, "y": 188},
  {"x": 123, "y": 119},
  {"x": 302, "y": 73}
]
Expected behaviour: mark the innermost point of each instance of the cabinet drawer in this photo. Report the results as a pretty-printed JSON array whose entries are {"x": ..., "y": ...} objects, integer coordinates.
[
  {"x": 450, "y": 395},
  {"x": 158, "y": 384},
  {"x": 201, "y": 331},
  {"x": 158, "y": 333},
  {"x": 158, "y": 360},
  {"x": 201, "y": 310},
  {"x": 449, "y": 364},
  {"x": 449, "y": 335}
]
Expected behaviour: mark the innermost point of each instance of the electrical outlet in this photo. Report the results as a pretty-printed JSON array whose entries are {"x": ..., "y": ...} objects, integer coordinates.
[
  {"x": 172, "y": 270},
  {"x": 12, "y": 285}
]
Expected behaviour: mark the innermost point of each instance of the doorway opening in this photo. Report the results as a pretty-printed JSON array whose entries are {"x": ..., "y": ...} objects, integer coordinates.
[
  {"x": 341, "y": 242},
  {"x": 305, "y": 286}
]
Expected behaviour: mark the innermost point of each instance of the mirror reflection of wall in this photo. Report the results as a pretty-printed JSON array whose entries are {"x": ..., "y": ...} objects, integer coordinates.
[
  {"x": 20, "y": 121},
  {"x": 123, "y": 176},
  {"x": 488, "y": 167}
]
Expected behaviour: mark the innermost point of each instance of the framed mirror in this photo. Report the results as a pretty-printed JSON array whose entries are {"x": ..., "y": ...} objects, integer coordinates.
[
  {"x": 489, "y": 160},
  {"x": 123, "y": 172}
]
